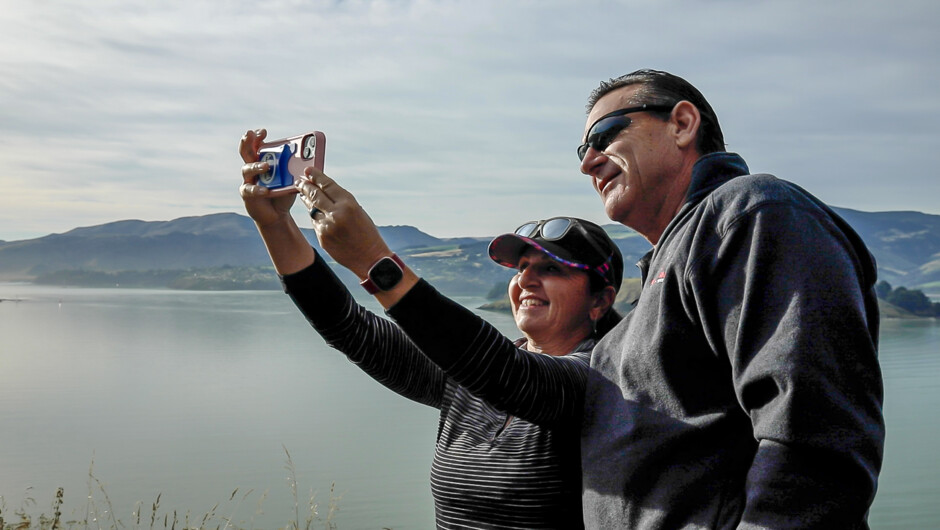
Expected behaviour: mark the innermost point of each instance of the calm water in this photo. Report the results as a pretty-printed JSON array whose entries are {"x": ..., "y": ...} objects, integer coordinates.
[{"x": 192, "y": 395}]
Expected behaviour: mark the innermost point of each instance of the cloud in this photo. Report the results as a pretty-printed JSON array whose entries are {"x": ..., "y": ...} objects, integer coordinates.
[{"x": 457, "y": 116}]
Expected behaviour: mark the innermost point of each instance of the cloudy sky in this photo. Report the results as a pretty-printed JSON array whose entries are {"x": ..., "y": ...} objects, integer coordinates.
[{"x": 460, "y": 117}]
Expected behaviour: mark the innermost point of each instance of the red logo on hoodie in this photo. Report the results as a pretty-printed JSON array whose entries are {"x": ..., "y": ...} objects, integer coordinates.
[{"x": 660, "y": 278}]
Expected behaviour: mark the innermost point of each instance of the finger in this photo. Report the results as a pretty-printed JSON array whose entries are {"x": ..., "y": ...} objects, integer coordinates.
[
  {"x": 251, "y": 170},
  {"x": 308, "y": 203},
  {"x": 316, "y": 214},
  {"x": 314, "y": 194},
  {"x": 245, "y": 146},
  {"x": 329, "y": 186},
  {"x": 252, "y": 191},
  {"x": 250, "y": 143}
]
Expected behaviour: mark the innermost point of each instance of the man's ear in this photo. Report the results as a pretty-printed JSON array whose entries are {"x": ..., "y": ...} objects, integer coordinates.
[{"x": 686, "y": 118}]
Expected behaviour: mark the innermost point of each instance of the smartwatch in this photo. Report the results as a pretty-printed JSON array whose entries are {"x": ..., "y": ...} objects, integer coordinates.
[{"x": 384, "y": 274}]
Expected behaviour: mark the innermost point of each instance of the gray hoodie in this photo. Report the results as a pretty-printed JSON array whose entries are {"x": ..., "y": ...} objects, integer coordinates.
[{"x": 743, "y": 391}]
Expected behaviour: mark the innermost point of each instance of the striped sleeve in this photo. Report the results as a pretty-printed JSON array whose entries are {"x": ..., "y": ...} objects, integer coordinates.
[
  {"x": 542, "y": 389},
  {"x": 373, "y": 343}
]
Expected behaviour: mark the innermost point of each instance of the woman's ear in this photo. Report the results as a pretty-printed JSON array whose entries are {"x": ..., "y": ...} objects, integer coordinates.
[
  {"x": 686, "y": 118},
  {"x": 603, "y": 301}
]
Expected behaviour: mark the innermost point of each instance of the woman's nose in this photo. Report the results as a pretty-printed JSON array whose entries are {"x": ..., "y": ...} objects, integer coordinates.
[{"x": 528, "y": 277}]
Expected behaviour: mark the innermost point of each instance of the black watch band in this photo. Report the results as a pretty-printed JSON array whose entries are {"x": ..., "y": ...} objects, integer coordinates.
[{"x": 384, "y": 274}]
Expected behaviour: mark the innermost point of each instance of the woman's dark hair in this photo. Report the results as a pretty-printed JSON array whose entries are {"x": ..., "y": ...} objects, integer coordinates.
[
  {"x": 663, "y": 88},
  {"x": 609, "y": 319},
  {"x": 606, "y": 323}
]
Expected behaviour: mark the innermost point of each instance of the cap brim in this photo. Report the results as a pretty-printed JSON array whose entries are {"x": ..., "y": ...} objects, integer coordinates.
[{"x": 508, "y": 248}]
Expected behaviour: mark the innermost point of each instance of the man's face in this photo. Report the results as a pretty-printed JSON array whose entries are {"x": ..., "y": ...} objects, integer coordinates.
[{"x": 633, "y": 175}]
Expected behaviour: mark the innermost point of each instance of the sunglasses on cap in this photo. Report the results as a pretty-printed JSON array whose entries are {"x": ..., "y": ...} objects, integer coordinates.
[
  {"x": 607, "y": 127},
  {"x": 557, "y": 228}
]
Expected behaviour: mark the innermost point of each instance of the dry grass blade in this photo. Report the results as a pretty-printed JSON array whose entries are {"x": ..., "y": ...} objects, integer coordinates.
[
  {"x": 153, "y": 513},
  {"x": 100, "y": 515},
  {"x": 292, "y": 480}
]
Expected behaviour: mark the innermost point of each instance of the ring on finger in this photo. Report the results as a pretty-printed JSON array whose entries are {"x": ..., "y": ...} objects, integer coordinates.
[{"x": 313, "y": 211}]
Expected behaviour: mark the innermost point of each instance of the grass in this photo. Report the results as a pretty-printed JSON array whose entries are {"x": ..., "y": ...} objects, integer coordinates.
[{"x": 98, "y": 512}]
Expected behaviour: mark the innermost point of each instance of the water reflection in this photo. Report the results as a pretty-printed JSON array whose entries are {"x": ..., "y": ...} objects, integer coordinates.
[{"x": 195, "y": 394}]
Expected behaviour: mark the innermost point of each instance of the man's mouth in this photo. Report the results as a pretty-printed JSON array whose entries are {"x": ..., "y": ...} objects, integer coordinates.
[{"x": 602, "y": 182}]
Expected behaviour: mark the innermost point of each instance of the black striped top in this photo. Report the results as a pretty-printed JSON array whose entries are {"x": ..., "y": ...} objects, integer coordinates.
[{"x": 490, "y": 470}]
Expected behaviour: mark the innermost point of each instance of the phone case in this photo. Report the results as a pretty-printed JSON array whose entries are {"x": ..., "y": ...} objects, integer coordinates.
[{"x": 304, "y": 150}]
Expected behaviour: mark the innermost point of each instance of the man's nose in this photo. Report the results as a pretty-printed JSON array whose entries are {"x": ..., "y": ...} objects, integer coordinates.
[{"x": 593, "y": 159}]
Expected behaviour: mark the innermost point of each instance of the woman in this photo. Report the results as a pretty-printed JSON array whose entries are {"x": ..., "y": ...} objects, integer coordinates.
[{"x": 489, "y": 469}]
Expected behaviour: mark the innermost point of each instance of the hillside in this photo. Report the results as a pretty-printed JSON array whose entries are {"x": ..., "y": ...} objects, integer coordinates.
[
  {"x": 219, "y": 251},
  {"x": 223, "y": 251},
  {"x": 906, "y": 245}
]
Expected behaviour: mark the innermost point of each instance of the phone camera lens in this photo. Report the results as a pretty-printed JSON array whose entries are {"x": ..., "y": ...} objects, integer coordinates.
[{"x": 310, "y": 145}]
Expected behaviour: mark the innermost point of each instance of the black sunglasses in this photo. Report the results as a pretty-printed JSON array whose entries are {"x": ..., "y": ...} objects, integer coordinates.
[
  {"x": 557, "y": 228},
  {"x": 607, "y": 127},
  {"x": 550, "y": 229}
]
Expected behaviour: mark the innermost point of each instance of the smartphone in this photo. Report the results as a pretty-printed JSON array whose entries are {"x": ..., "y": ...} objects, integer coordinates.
[{"x": 288, "y": 157}]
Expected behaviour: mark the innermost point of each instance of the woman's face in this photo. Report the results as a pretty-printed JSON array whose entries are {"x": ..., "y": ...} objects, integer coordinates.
[{"x": 551, "y": 302}]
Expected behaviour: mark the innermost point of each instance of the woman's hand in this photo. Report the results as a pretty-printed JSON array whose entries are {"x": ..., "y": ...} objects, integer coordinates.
[
  {"x": 286, "y": 245},
  {"x": 343, "y": 228},
  {"x": 267, "y": 208}
]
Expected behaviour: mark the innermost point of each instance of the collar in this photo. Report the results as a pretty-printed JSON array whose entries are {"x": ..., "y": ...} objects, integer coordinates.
[
  {"x": 585, "y": 345},
  {"x": 711, "y": 171},
  {"x": 708, "y": 173}
]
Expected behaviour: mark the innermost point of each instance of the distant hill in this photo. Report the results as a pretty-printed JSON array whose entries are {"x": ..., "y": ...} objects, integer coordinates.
[
  {"x": 905, "y": 244},
  {"x": 219, "y": 246},
  {"x": 208, "y": 241}
]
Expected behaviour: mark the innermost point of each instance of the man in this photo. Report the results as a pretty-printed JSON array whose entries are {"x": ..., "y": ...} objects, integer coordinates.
[{"x": 744, "y": 389}]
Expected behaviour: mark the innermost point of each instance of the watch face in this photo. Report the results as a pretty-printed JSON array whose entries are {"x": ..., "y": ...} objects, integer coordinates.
[{"x": 385, "y": 274}]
